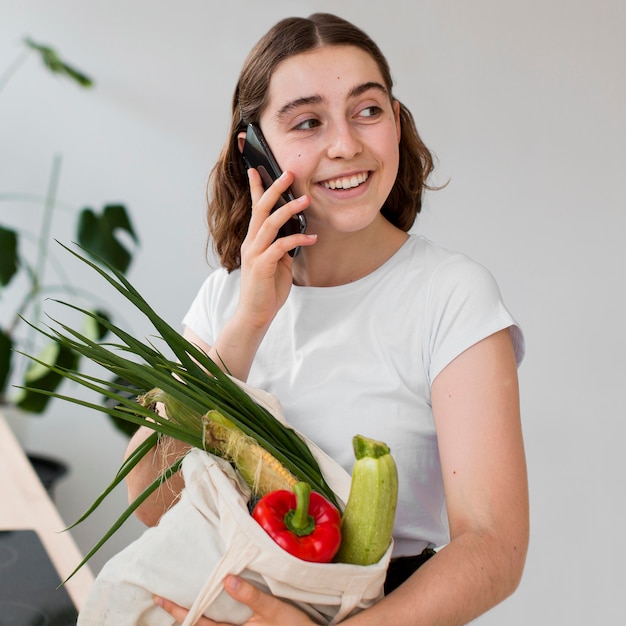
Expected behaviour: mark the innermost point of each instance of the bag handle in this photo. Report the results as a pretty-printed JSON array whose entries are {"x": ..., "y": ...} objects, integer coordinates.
[
  {"x": 236, "y": 558},
  {"x": 350, "y": 598}
]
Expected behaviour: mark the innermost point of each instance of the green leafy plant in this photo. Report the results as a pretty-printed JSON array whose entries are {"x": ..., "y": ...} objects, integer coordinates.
[
  {"x": 194, "y": 383},
  {"x": 26, "y": 258}
]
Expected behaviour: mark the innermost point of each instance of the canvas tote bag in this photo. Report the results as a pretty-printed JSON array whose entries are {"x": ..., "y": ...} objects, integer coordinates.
[{"x": 210, "y": 533}]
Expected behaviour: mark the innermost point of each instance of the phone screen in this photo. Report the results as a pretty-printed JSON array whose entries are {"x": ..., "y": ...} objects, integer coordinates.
[{"x": 257, "y": 154}]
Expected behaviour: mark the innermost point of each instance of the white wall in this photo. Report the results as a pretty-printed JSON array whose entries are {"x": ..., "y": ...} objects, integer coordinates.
[{"x": 523, "y": 103}]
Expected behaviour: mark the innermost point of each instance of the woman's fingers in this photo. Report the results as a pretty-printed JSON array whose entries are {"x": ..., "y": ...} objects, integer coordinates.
[
  {"x": 264, "y": 223},
  {"x": 268, "y": 610},
  {"x": 263, "y": 201},
  {"x": 179, "y": 613},
  {"x": 266, "y": 275},
  {"x": 256, "y": 186}
]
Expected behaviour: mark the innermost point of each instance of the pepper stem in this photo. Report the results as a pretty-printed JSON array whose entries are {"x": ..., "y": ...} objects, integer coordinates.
[{"x": 298, "y": 520}]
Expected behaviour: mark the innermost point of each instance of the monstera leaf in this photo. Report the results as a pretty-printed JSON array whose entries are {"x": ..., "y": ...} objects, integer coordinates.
[
  {"x": 26, "y": 261},
  {"x": 8, "y": 255},
  {"x": 6, "y": 347},
  {"x": 40, "y": 377},
  {"x": 97, "y": 234},
  {"x": 43, "y": 376}
]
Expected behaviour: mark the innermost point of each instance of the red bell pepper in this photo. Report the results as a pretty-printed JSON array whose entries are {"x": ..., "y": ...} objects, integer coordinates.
[{"x": 301, "y": 522}]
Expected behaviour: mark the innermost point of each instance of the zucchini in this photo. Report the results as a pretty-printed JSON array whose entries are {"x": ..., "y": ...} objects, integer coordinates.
[{"x": 367, "y": 522}]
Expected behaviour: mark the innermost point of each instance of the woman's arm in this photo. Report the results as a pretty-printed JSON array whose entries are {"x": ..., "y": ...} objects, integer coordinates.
[
  {"x": 169, "y": 450},
  {"x": 476, "y": 408},
  {"x": 266, "y": 279},
  {"x": 157, "y": 460},
  {"x": 166, "y": 452}
]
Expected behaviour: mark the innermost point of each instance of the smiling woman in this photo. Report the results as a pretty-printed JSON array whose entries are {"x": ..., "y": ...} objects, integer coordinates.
[
  {"x": 368, "y": 329},
  {"x": 229, "y": 202},
  {"x": 340, "y": 143}
]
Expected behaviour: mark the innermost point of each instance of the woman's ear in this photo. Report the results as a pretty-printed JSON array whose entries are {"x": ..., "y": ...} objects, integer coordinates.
[{"x": 241, "y": 140}]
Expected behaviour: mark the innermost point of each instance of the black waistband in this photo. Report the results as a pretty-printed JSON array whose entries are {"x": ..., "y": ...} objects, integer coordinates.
[{"x": 402, "y": 567}]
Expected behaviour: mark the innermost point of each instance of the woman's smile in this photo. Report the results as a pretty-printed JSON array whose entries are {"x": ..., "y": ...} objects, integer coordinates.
[
  {"x": 332, "y": 123},
  {"x": 346, "y": 181}
]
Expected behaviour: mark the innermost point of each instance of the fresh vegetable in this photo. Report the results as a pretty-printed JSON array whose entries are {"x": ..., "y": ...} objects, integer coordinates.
[
  {"x": 261, "y": 470},
  {"x": 190, "y": 377},
  {"x": 301, "y": 522},
  {"x": 193, "y": 379},
  {"x": 367, "y": 521}
]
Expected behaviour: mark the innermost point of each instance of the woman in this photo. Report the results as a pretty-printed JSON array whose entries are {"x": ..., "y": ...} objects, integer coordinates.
[{"x": 368, "y": 329}]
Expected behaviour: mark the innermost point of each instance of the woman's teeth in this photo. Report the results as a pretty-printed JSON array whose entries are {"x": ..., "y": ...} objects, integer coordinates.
[{"x": 346, "y": 182}]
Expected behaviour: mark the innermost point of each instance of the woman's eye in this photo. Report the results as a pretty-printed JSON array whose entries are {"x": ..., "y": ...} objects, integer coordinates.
[
  {"x": 307, "y": 124},
  {"x": 371, "y": 111}
]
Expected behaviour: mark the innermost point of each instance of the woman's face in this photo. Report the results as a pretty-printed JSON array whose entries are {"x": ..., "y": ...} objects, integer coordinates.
[{"x": 329, "y": 120}]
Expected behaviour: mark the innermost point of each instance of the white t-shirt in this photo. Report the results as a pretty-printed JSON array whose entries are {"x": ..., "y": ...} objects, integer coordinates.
[{"x": 360, "y": 359}]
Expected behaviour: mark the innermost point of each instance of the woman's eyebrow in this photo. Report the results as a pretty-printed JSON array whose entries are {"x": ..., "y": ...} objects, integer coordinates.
[
  {"x": 298, "y": 102},
  {"x": 361, "y": 89},
  {"x": 355, "y": 92}
]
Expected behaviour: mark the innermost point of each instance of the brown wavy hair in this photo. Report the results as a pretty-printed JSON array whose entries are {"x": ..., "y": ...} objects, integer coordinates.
[{"x": 229, "y": 202}]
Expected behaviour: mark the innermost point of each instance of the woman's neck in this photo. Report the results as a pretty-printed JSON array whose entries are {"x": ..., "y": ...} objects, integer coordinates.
[{"x": 341, "y": 258}]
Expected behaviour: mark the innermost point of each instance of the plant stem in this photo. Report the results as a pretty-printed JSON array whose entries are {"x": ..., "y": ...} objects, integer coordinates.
[
  {"x": 6, "y": 76},
  {"x": 37, "y": 277},
  {"x": 46, "y": 223}
]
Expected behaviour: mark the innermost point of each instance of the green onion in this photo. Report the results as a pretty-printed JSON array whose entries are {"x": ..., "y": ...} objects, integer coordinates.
[{"x": 193, "y": 381}]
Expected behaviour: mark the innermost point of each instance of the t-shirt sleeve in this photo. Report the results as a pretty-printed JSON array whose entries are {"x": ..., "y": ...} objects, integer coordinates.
[
  {"x": 464, "y": 306},
  {"x": 202, "y": 317}
]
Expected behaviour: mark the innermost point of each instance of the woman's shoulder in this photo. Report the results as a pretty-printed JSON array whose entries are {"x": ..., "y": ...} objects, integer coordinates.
[
  {"x": 220, "y": 286},
  {"x": 422, "y": 253},
  {"x": 449, "y": 275},
  {"x": 221, "y": 281}
]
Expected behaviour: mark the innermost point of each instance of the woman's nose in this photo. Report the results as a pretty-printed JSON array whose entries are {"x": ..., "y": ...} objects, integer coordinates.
[{"x": 343, "y": 142}]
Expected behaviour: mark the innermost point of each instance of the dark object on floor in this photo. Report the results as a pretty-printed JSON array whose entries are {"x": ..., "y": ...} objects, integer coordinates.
[
  {"x": 29, "y": 584},
  {"x": 49, "y": 471}
]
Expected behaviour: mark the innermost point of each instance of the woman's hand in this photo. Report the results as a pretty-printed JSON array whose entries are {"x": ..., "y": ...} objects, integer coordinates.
[
  {"x": 268, "y": 611},
  {"x": 266, "y": 267},
  {"x": 266, "y": 275}
]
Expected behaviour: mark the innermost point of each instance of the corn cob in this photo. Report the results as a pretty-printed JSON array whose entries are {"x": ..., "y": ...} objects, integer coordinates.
[
  {"x": 367, "y": 522},
  {"x": 259, "y": 468},
  {"x": 262, "y": 471}
]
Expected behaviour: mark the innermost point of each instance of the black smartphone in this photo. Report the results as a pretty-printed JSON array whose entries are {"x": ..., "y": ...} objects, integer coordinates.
[{"x": 257, "y": 154}]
